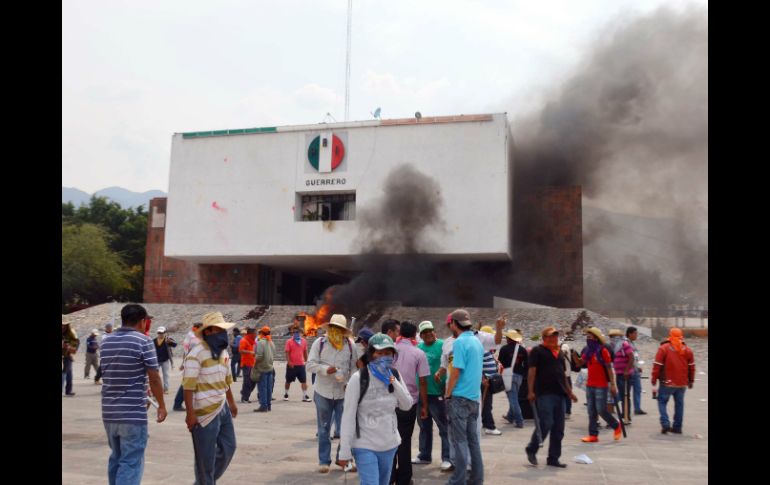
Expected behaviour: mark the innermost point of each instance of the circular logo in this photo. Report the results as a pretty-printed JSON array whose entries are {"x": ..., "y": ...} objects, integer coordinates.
[{"x": 338, "y": 152}]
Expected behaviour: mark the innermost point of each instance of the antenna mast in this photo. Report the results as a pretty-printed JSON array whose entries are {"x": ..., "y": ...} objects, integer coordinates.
[{"x": 347, "y": 62}]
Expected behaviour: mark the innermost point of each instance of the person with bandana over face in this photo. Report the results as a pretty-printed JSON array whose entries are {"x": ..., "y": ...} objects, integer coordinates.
[
  {"x": 333, "y": 359},
  {"x": 209, "y": 418},
  {"x": 369, "y": 425},
  {"x": 601, "y": 375},
  {"x": 675, "y": 368},
  {"x": 264, "y": 368},
  {"x": 296, "y": 356}
]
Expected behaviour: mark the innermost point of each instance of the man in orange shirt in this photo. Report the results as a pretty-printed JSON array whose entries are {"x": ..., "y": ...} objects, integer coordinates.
[
  {"x": 248, "y": 359},
  {"x": 675, "y": 367}
]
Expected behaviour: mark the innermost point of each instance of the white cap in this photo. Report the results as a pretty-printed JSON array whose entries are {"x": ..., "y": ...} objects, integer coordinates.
[{"x": 161, "y": 329}]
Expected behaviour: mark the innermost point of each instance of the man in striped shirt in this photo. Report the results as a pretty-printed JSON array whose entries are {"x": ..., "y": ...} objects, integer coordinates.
[
  {"x": 128, "y": 359},
  {"x": 207, "y": 378}
]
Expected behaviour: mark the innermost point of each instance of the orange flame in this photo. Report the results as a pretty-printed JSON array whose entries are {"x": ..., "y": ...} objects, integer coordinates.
[{"x": 314, "y": 322}]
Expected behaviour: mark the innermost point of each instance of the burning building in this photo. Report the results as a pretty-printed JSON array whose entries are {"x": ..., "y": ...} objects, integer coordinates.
[{"x": 421, "y": 210}]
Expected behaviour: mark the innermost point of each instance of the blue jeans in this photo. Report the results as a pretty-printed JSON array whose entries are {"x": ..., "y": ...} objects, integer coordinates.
[
  {"x": 620, "y": 379},
  {"x": 663, "y": 394},
  {"x": 514, "y": 409},
  {"x": 550, "y": 412},
  {"x": 179, "y": 398},
  {"x": 437, "y": 413},
  {"x": 264, "y": 389},
  {"x": 66, "y": 375},
  {"x": 214, "y": 447},
  {"x": 463, "y": 421},
  {"x": 324, "y": 408},
  {"x": 373, "y": 466},
  {"x": 636, "y": 384},
  {"x": 596, "y": 397},
  {"x": 127, "y": 442},
  {"x": 235, "y": 366}
]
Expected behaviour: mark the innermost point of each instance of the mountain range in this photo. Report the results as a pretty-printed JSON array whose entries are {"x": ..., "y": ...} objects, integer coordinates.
[{"x": 124, "y": 197}]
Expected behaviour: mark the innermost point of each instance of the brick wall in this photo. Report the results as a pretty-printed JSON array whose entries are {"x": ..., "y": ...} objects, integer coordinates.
[
  {"x": 168, "y": 280},
  {"x": 548, "y": 246}
]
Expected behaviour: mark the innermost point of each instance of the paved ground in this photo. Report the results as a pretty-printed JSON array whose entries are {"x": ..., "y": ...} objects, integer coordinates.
[{"x": 280, "y": 447}]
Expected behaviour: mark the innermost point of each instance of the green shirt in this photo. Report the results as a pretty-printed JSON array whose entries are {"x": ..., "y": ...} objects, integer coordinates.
[{"x": 433, "y": 353}]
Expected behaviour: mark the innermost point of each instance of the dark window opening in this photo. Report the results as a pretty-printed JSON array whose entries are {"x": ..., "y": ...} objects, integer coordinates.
[{"x": 332, "y": 207}]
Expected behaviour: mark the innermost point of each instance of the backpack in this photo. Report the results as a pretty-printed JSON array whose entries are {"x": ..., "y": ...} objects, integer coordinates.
[{"x": 364, "y": 385}]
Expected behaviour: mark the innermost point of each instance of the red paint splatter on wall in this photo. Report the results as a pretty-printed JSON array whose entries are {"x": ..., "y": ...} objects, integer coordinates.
[{"x": 216, "y": 207}]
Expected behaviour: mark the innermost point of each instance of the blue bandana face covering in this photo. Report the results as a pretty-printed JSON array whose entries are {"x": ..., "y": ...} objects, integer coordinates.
[
  {"x": 297, "y": 338},
  {"x": 217, "y": 343},
  {"x": 380, "y": 368}
]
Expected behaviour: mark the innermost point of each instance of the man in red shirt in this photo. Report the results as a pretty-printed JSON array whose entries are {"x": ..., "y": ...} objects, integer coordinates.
[
  {"x": 248, "y": 359},
  {"x": 296, "y": 356},
  {"x": 675, "y": 367},
  {"x": 597, "y": 359}
]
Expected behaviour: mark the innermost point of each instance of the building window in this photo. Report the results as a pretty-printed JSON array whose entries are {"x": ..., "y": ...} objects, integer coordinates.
[{"x": 329, "y": 207}]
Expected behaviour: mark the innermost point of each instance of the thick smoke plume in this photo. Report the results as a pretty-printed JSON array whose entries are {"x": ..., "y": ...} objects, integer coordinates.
[
  {"x": 394, "y": 244},
  {"x": 630, "y": 126}
]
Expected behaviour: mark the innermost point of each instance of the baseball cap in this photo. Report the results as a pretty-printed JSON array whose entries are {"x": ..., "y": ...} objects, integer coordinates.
[
  {"x": 381, "y": 341},
  {"x": 462, "y": 317},
  {"x": 425, "y": 325},
  {"x": 161, "y": 329},
  {"x": 365, "y": 334}
]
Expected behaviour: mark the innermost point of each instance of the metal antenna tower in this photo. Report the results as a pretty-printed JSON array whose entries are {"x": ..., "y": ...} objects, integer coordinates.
[{"x": 347, "y": 62}]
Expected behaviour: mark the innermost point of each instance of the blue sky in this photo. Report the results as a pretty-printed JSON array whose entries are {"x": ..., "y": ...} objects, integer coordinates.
[{"x": 134, "y": 73}]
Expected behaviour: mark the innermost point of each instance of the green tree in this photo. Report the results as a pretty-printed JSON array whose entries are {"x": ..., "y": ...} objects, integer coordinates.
[
  {"x": 91, "y": 271},
  {"x": 127, "y": 230}
]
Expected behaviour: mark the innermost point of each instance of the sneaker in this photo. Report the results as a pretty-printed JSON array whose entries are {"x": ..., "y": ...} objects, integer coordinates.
[
  {"x": 676, "y": 430},
  {"x": 447, "y": 466},
  {"x": 420, "y": 461},
  {"x": 70, "y": 394},
  {"x": 285, "y": 397},
  {"x": 665, "y": 430},
  {"x": 590, "y": 439},
  {"x": 640, "y": 412},
  {"x": 493, "y": 432},
  {"x": 556, "y": 464},
  {"x": 531, "y": 456},
  {"x": 508, "y": 420},
  {"x": 306, "y": 399},
  {"x": 323, "y": 469},
  {"x": 261, "y": 410},
  {"x": 618, "y": 433}
]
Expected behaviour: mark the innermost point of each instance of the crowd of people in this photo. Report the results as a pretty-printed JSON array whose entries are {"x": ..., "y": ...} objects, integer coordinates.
[{"x": 374, "y": 390}]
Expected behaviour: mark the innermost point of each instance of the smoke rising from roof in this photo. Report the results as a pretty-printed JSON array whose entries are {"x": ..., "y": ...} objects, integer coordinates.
[{"x": 630, "y": 126}]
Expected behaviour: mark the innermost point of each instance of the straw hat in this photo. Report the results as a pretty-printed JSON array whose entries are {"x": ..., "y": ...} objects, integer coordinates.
[
  {"x": 513, "y": 335},
  {"x": 596, "y": 333},
  {"x": 338, "y": 321},
  {"x": 213, "y": 319},
  {"x": 615, "y": 333},
  {"x": 487, "y": 329}
]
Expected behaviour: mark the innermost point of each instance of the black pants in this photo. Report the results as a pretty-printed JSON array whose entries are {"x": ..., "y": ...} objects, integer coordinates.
[
  {"x": 98, "y": 374},
  {"x": 402, "y": 462},
  {"x": 487, "y": 421}
]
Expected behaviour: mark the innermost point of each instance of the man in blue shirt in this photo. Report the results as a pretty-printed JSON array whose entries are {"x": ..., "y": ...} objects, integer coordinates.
[
  {"x": 462, "y": 397},
  {"x": 128, "y": 359}
]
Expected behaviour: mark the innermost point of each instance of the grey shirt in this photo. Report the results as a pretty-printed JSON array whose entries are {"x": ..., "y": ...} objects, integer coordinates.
[
  {"x": 264, "y": 355},
  {"x": 377, "y": 421},
  {"x": 331, "y": 386}
]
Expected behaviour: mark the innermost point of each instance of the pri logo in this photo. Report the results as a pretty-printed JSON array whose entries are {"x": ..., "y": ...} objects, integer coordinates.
[{"x": 326, "y": 152}]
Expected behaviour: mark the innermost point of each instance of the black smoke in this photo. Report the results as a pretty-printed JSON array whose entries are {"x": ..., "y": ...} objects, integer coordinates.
[{"x": 630, "y": 126}]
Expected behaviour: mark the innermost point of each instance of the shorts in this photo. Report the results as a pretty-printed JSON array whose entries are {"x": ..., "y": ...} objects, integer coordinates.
[{"x": 296, "y": 372}]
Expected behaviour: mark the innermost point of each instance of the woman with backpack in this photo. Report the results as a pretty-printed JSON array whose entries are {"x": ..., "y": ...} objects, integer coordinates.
[{"x": 369, "y": 425}]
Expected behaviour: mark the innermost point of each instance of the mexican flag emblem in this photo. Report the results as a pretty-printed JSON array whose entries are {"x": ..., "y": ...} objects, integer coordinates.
[{"x": 325, "y": 152}]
